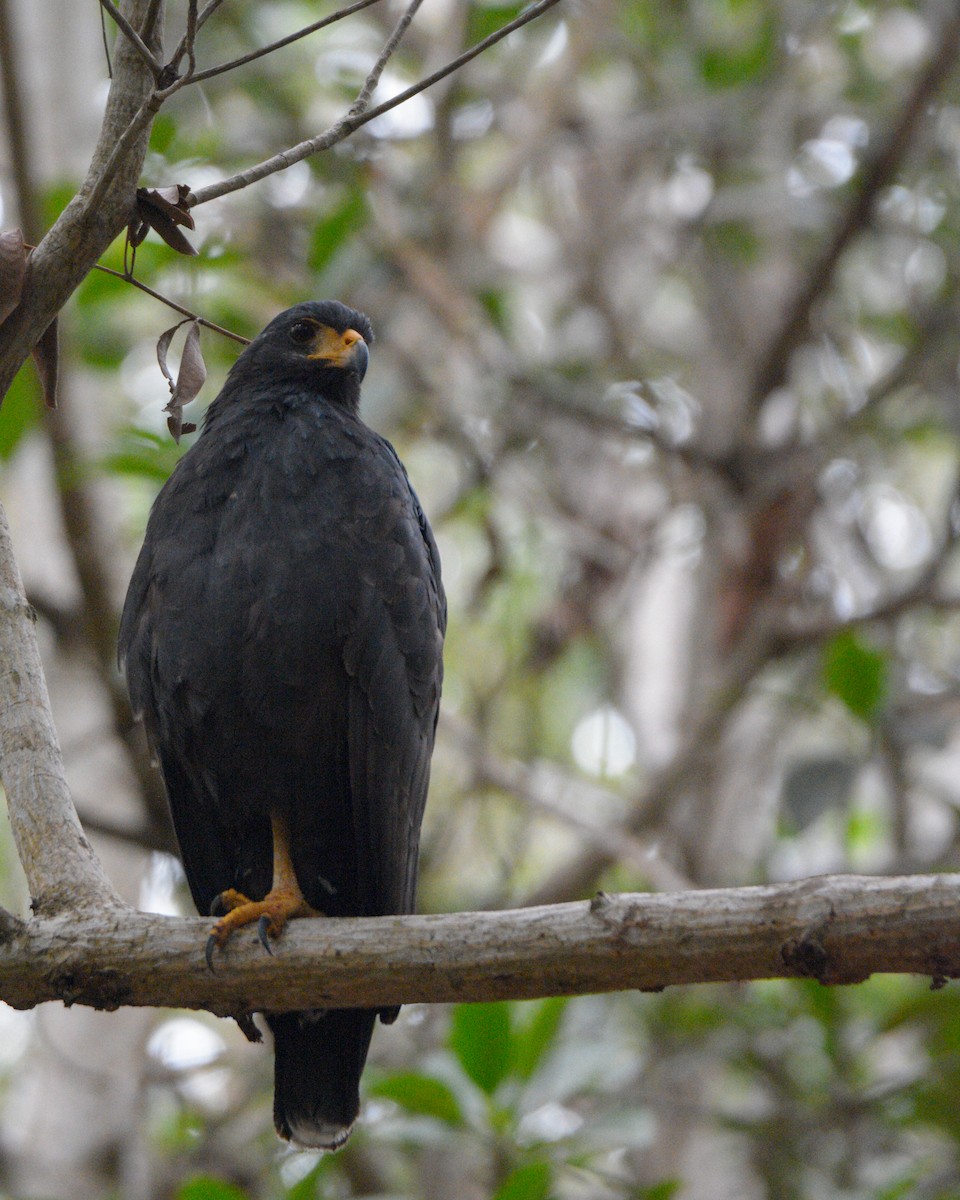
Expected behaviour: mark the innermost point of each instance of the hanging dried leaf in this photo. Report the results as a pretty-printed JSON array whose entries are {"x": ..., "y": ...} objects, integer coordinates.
[
  {"x": 162, "y": 209},
  {"x": 163, "y": 348},
  {"x": 46, "y": 354},
  {"x": 13, "y": 269},
  {"x": 190, "y": 376}
]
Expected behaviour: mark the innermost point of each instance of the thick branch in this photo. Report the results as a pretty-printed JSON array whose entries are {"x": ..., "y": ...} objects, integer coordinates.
[
  {"x": 102, "y": 207},
  {"x": 62, "y": 870},
  {"x": 838, "y": 929}
]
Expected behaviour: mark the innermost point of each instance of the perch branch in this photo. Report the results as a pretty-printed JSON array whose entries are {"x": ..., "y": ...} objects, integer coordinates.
[{"x": 837, "y": 929}]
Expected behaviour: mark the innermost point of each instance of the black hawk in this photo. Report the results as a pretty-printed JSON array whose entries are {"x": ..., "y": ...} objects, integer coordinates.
[{"x": 282, "y": 639}]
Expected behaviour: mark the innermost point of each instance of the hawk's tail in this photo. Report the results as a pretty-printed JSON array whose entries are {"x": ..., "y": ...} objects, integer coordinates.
[{"x": 319, "y": 1060}]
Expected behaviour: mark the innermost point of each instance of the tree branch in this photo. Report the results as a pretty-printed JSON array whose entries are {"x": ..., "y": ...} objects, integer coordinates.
[
  {"x": 185, "y": 312},
  {"x": 99, "y": 211},
  {"x": 837, "y": 929},
  {"x": 354, "y": 120},
  {"x": 211, "y": 72},
  {"x": 362, "y": 101},
  {"x": 61, "y": 868},
  {"x": 876, "y": 174},
  {"x": 133, "y": 37}
]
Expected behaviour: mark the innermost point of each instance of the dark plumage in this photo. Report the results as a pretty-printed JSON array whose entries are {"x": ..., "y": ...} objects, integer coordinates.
[{"x": 282, "y": 638}]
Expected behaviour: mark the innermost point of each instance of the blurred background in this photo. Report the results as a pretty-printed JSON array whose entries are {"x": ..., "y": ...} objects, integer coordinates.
[{"x": 666, "y": 299}]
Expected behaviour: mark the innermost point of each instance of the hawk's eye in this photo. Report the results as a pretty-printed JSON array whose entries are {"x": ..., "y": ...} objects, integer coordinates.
[{"x": 303, "y": 332}]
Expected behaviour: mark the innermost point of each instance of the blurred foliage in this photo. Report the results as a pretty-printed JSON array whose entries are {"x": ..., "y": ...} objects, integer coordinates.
[
  {"x": 576, "y": 255},
  {"x": 855, "y": 674}
]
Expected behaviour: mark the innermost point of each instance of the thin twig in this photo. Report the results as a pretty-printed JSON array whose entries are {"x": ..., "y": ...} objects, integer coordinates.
[
  {"x": 134, "y": 38},
  {"x": 190, "y": 37},
  {"x": 173, "y": 304},
  {"x": 185, "y": 312},
  {"x": 106, "y": 43},
  {"x": 206, "y": 12},
  {"x": 346, "y": 125},
  {"x": 362, "y": 102},
  {"x": 210, "y": 72}
]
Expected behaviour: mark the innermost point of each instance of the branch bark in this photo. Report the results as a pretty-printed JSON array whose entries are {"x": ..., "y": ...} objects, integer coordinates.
[
  {"x": 100, "y": 210},
  {"x": 61, "y": 868},
  {"x": 837, "y": 929}
]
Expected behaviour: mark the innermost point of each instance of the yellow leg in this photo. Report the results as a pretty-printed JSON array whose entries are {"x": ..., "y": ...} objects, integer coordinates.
[{"x": 283, "y": 901}]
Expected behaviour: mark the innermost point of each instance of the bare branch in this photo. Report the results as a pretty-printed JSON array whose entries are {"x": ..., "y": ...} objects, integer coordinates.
[
  {"x": 207, "y": 11},
  {"x": 543, "y": 787},
  {"x": 837, "y": 929},
  {"x": 353, "y": 121},
  {"x": 133, "y": 37},
  {"x": 190, "y": 38},
  {"x": 62, "y": 870},
  {"x": 362, "y": 101},
  {"x": 99, "y": 211},
  {"x": 210, "y": 72},
  {"x": 127, "y": 278},
  {"x": 15, "y": 109}
]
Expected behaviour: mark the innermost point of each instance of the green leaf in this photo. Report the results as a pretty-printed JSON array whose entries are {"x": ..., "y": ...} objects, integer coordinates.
[
  {"x": 535, "y": 1037},
  {"x": 665, "y": 1190},
  {"x": 335, "y": 229},
  {"x": 420, "y": 1094},
  {"x": 485, "y": 19},
  {"x": 738, "y": 240},
  {"x": 529, "y": 1182},
  {"x": 480, "y": 1038},
  {"x": 20, "y": 411},
  {"x": 856, "y": 674},
  {"x": 163, "y": 132},
  {"x": 142, "y": 454},
  {"x": 207, "y": 1187},
  {"x": 743, "y": 46}
]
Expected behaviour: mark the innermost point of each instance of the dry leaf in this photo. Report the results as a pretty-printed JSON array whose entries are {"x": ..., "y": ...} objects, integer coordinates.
[
  {"x": 190, "y": 376},
  {"x": 13, "y": 269},
  {"x": 162, "y": 209},
  {"x": 46, "y": 354}
]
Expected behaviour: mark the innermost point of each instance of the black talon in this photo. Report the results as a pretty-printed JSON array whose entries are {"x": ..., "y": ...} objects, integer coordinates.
[
  {"x": 208, "y": 952},
  {"x": 217, "y": 906},
  {"x": 263, "y": 932}
]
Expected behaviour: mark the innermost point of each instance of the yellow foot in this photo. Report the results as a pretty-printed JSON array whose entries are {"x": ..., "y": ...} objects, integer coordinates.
[
  {"x": 271, "y": 915},
  {"x": 227, "y": 901}
]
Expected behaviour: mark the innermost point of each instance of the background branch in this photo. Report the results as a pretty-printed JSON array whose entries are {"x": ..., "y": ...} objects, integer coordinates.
[{"x": 876, "y": 174}]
